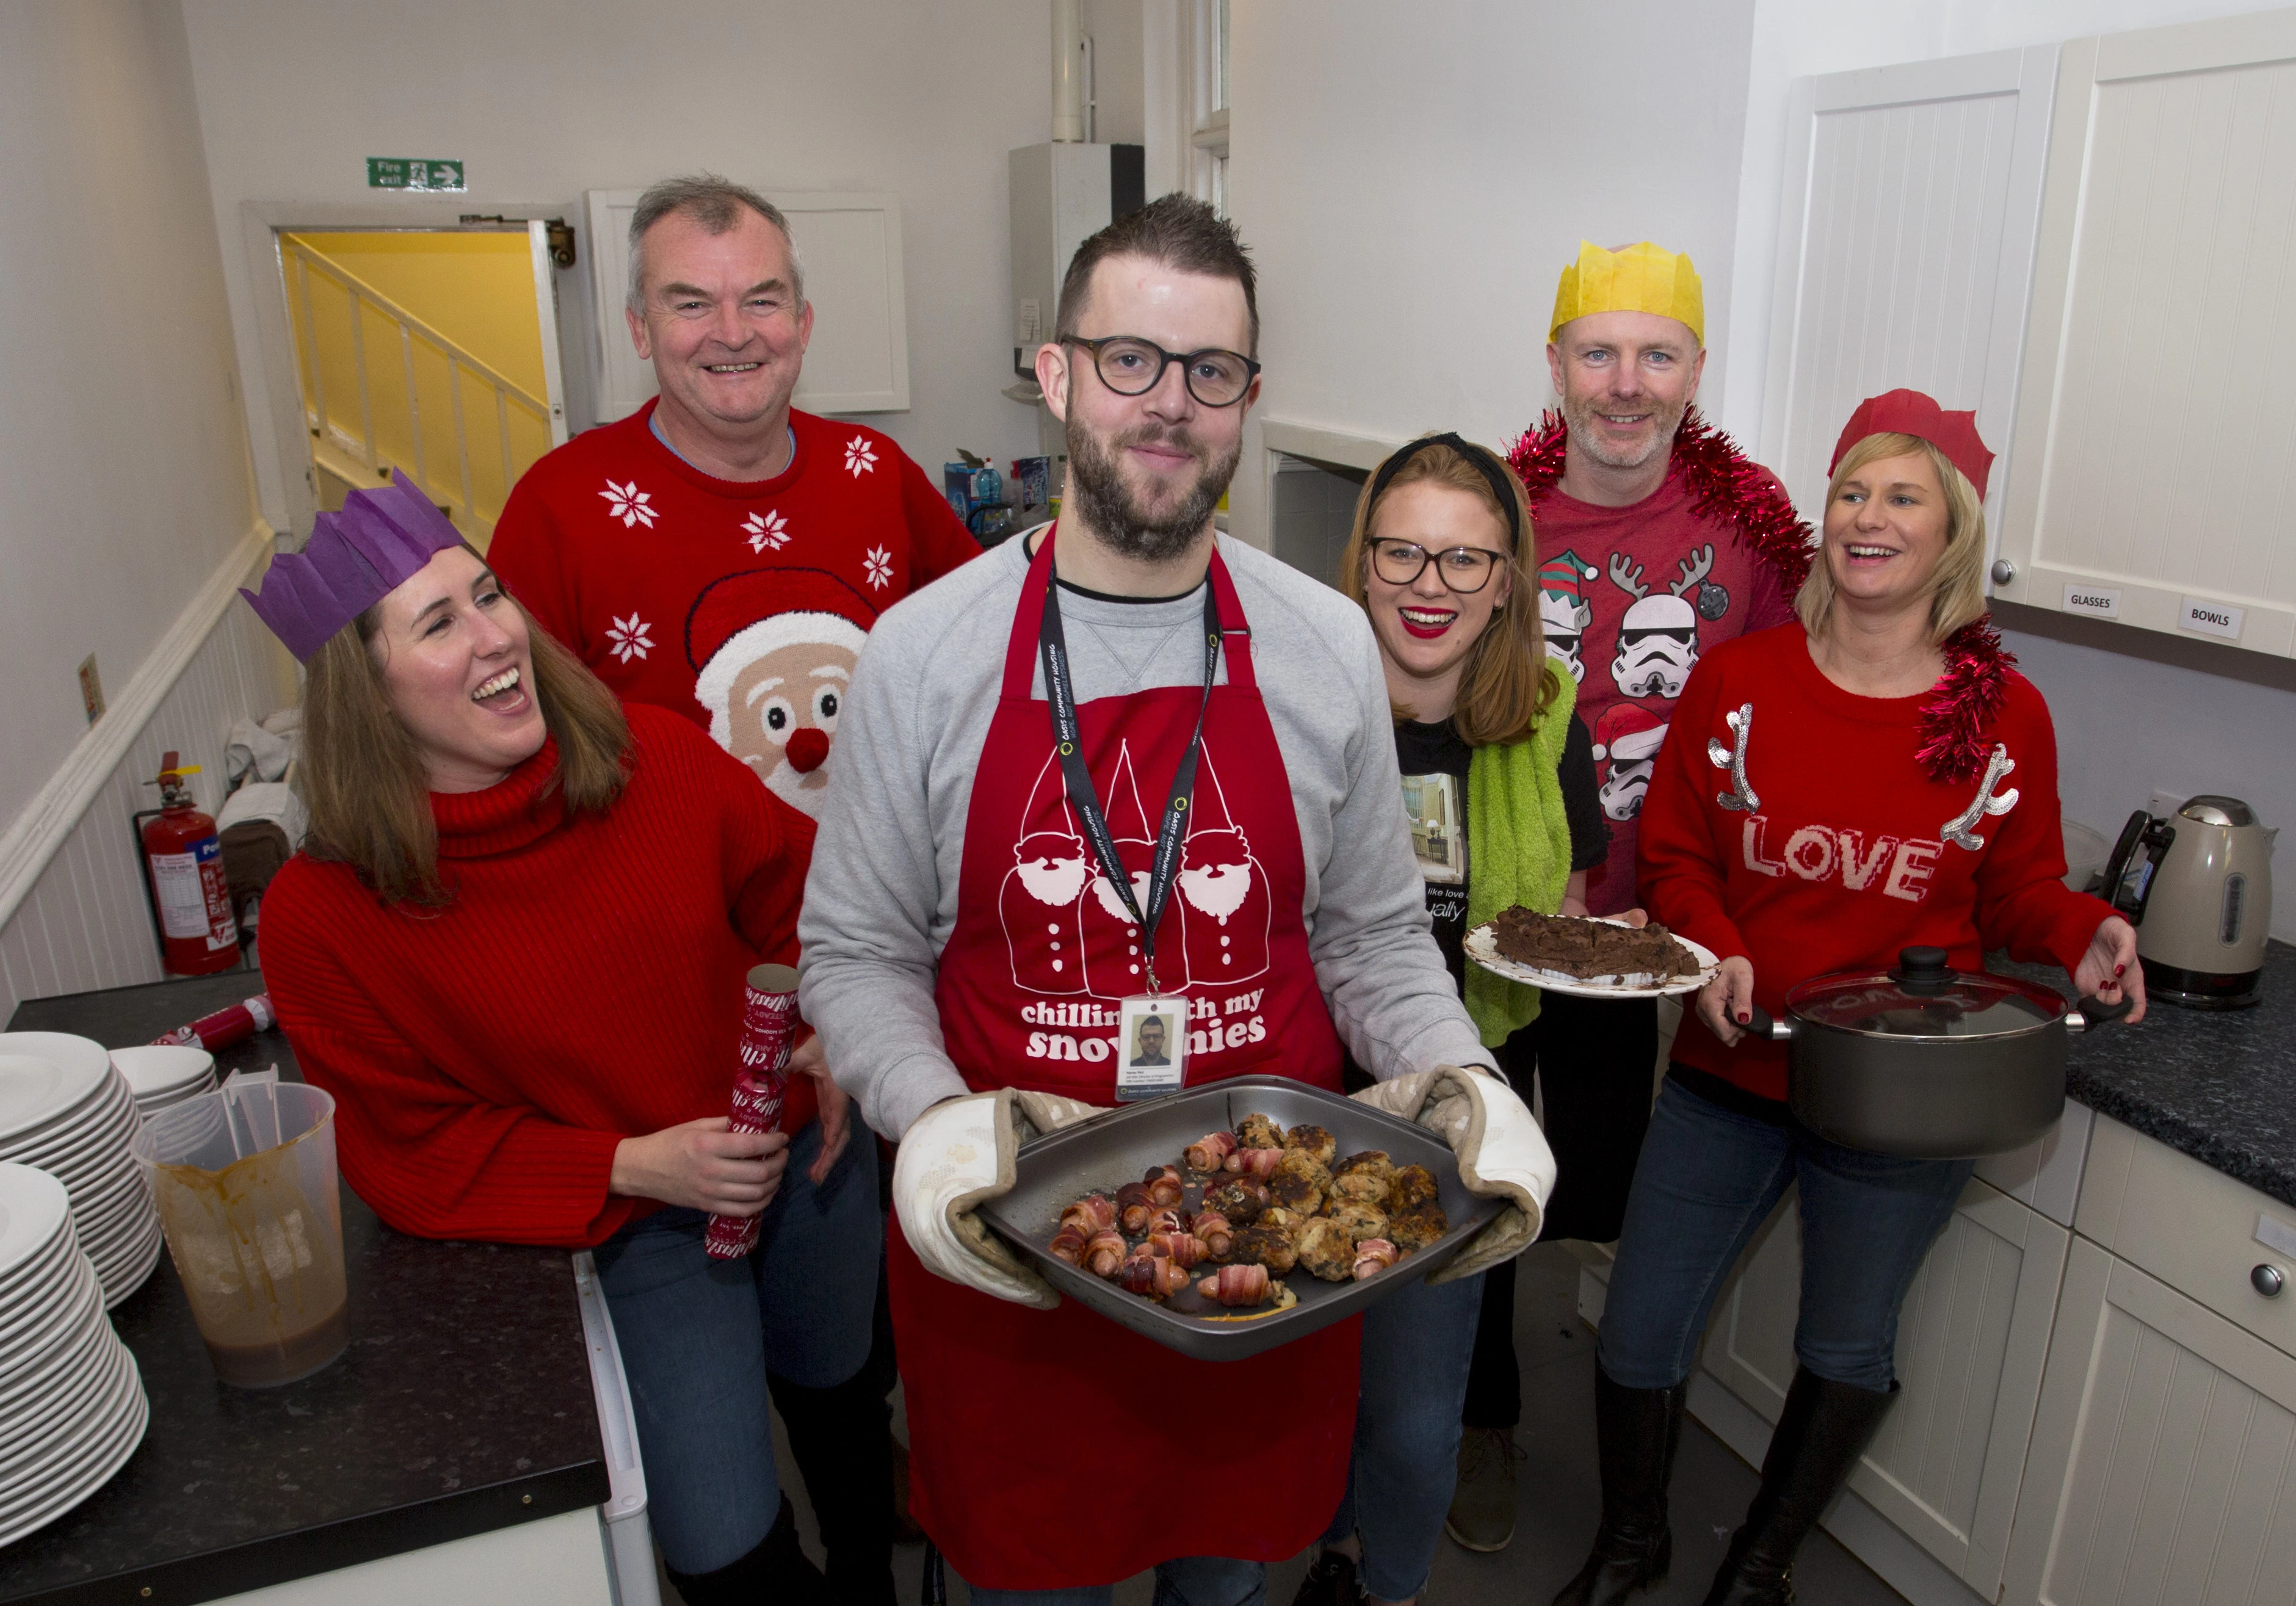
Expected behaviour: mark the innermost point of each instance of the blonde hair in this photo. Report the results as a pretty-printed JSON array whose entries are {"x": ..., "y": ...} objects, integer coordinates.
[
  {"x": 363, "y": 781},
  {"x": 1958, "y": 589},
  {"x": 1508, "y": 681}
]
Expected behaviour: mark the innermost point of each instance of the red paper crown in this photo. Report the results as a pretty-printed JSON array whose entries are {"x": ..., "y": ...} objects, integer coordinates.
[{"x": 1910, "y": 413}]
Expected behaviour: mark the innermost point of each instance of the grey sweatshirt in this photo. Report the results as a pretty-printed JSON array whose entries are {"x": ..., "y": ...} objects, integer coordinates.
[{"x": 882, "y": 895}]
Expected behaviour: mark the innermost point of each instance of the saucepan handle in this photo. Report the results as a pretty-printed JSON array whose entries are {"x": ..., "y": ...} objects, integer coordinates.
[
  {"x": 2094, "y": 1012},
  {"x": 1763, "y": 1026}
]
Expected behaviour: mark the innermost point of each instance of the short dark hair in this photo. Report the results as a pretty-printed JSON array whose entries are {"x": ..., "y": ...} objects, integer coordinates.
[
  {"x": 717, "y": 204},
  {"x": 1176, "y": 230}
]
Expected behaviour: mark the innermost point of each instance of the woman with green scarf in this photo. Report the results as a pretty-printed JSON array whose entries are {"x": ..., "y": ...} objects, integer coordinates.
[{"x": 1498, "y": 782}]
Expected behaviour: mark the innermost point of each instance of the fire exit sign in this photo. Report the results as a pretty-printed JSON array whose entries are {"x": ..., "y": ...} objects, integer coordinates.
[{"x": 412, "y": 173}]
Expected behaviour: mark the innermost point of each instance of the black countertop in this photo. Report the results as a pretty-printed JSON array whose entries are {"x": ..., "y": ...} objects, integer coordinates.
[
  {"x": 2218, "y": 1084},
  {"x": 461, "y": 1405}
]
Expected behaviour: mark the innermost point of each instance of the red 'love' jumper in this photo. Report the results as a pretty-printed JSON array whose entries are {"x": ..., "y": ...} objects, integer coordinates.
[
  {"x": 1845, "y": 856},
  {"x": 583, "y": 985}
]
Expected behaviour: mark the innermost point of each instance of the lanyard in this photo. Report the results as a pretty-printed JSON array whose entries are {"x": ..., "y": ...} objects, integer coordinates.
[{"x": 1166, "y": 868}]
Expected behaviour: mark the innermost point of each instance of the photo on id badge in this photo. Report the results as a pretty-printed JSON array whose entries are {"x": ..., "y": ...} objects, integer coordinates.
[
  {"x": 1153, "y": 1031},
  {"x": 1432, "y": 804}
]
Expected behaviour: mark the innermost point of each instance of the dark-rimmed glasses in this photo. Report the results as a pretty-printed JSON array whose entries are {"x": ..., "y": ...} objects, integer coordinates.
[
  {"x": 1132, "y": 366},
  {"x": 1465, "y": 569}
]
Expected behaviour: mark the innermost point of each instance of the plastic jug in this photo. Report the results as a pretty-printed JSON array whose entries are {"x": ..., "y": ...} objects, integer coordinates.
[{"x": 244, "y": 1178}]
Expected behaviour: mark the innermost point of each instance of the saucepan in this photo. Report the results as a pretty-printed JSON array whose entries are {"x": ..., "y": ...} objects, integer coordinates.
[{"x": 1928, "y": 1061}]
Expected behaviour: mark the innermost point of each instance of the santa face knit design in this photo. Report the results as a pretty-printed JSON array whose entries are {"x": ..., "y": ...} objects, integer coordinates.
[{"x": 740, "y": 606}]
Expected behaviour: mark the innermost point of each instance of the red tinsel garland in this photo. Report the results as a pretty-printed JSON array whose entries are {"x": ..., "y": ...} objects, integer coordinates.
[
  {"x": 1728, "y": 486},
  {"x": 1963, "y": 704}
]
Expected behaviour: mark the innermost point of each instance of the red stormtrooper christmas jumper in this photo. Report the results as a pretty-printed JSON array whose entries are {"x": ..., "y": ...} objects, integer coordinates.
[
  {"x": 739, "y": 605},
  {"x": 1838, "y": 849},
  {"x": 1629, "y": 598}
]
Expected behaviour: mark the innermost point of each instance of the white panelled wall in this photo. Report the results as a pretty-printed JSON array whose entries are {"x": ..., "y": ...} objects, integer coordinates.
[{"x": 85, "y": 922}]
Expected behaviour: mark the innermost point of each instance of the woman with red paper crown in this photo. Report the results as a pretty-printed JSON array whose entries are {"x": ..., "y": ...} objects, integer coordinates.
[
  {"x": 1832, "y": 791},
  {"x": 513, "y": 948}
]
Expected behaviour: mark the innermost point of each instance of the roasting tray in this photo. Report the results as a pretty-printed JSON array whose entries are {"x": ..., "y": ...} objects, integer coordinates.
[{"x": 1111, "y": 1150}]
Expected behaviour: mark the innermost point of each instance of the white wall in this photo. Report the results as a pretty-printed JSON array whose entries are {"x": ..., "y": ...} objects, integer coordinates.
[
  {"x": 123, "y": 478},
  {"x": 1411, "y": 180},
  {"x": 2128, "y": 722},
  {"x": 545, "y": 99}
]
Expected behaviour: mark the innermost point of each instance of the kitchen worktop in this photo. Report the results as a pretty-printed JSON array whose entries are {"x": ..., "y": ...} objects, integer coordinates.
[
  {"x": 464, "y": 1404},
  {"x": 2217, "y": 1084}
]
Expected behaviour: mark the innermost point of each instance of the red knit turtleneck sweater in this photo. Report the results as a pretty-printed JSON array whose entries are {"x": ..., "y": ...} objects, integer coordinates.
[{"x": 583, "y": 985}]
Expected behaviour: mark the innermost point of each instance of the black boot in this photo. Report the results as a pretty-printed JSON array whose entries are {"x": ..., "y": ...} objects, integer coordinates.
[
  {"x": 1823, "y": 1430},
  {"x": 776, "y": 1570},
  {"x": 842, "y": 1440},
  {"x": 1636, "y": 1431}
]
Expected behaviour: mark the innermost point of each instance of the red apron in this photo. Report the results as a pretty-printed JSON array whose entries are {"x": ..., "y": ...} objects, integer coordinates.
[{"x": 1053, "y": 1450}]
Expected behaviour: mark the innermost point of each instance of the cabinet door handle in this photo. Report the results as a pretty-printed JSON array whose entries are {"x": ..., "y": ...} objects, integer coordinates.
[
  {"x": 2268, "y": 1280},
  {"x": 2004, "y": 571}
]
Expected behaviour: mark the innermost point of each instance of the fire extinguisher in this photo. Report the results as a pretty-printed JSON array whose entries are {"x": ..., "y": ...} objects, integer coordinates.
[{"x": 184, "y": 857}]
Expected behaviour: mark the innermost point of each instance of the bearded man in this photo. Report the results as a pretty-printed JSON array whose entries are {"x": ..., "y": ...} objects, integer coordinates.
[
  {"x": 1681, "y": 543},
  {"x": 994, "y": 719}
]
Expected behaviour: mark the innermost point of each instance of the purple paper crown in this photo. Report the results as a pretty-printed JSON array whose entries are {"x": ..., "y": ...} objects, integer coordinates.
[{"x": 354, "y": 560}]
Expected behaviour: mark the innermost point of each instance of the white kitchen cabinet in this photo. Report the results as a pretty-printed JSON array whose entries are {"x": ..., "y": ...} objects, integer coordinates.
[
  {"x": 1944, "y": 1469},
  {"x": 1904, "y": 248},
  {"x": 2139, "y": 490},
  {"x": 2163, "y": 1465}
]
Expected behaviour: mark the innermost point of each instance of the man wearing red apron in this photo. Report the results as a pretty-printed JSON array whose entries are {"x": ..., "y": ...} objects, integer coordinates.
[{"x": 963, "y": 933}]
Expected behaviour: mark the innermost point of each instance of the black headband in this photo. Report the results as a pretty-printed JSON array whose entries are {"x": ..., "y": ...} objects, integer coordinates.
[{"x": 1490, "y": 468}]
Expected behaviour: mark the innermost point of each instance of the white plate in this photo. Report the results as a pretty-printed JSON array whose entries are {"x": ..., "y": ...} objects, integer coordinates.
[
  {"x": 33, "y": 1206},
  {"x": 83, "y": 1331},
  {"x": 31, "y": 1317},
  {"x": 116, "y": 1288},
  {"x": 107, "y": 1389},
  {"x": 87, "y": 1394},
  {"x": 97, "y": 1124},
  {"x": 26, "y": 1286},
  {"x": 83, "y": 1060},
  {"x": 162, "y": 1068},
  {"x": 83, "y": 1464},
  {"x": 34, "y": 1092},
  {"x": 1482, "y": 947},
  {"x": 146, "y": 1104},
  {"x": 75, "y": 1482}
]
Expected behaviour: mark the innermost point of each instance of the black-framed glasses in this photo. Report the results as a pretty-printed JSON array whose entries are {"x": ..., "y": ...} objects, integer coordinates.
[
  {"x": 1465, "y": 569},
  {"x": 1132, "y": 366}
]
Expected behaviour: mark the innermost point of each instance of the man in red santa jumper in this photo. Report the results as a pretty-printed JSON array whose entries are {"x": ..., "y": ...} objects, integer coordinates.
[
  {"x": 1681, "y": 543},
  {"x": 613, "y": 539}
]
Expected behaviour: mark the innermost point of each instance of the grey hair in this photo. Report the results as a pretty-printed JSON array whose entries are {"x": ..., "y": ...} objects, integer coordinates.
[{"x": 715, "y": 203}]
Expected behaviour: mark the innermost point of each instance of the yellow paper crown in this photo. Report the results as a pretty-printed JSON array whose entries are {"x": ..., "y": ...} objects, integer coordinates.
[{"x": 1641, "y": 278}]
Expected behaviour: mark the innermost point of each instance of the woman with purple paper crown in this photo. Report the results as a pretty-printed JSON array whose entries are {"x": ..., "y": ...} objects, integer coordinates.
[{"x": 512, "y": 946}]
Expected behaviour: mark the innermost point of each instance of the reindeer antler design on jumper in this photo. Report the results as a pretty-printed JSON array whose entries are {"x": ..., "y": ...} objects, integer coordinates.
[
  {"x": 1957, "y": 830},
  {"x": 1627, "y": 577},
  {"x": 1694, "y": 567},
  {"x": 1740, "y": 798}
]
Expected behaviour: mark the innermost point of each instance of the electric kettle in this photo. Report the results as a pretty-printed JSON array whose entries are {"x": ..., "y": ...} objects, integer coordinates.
[{"x": 2197, "y": 886}]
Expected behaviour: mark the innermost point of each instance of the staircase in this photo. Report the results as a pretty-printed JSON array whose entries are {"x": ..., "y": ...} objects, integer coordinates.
[{"x": 386, "y": 396}]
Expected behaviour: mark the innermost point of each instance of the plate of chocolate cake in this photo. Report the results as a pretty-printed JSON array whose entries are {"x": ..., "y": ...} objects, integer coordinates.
[{"x": 1592, "y": 957}]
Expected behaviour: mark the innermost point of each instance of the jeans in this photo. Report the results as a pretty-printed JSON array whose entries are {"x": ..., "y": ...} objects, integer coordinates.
[
  {"x": 1708, "y": 1178},
  {"x": 1416, "y": 1345},
  {"x": 699, "y": 1336},
  {"x": 1189, "y": 1581}
]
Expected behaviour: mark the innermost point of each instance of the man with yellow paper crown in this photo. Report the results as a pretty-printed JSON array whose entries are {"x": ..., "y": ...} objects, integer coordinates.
[{"x": 1660, "y": 539}]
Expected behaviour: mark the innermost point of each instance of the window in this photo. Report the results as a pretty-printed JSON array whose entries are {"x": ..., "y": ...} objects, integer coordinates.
[{"x": 1207, "y": 88}]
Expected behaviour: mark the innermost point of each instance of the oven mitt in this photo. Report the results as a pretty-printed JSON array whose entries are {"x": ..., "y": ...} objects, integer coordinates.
[
  {"x": 957, "y": 1153},
  {"x": 1502, "y": 1154}
]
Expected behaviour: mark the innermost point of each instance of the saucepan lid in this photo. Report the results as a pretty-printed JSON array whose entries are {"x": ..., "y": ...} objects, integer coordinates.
[{"x": 1924, "y": 997}]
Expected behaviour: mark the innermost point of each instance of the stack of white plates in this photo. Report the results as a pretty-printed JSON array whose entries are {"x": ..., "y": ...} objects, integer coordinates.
[
  {"x": 71, "y": 1402},
  {"x": 64, "y": 1109},
  {"x": 160, "y": 1074}
]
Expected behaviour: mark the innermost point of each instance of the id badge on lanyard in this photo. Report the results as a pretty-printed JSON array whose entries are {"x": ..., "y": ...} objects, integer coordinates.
[{"x": 1153, "y": 1026}]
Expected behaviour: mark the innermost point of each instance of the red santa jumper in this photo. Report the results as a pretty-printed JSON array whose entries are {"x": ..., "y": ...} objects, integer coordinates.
[
  {"x": 1631, "y": 596},
  {"x": 1805, "y": 836},
  {"x": 614, "y": 541},
  {"x": 583, "y": 985}
]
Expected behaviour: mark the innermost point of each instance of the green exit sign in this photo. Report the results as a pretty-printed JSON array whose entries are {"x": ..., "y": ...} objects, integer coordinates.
[{"x": 412, "y": 173}]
